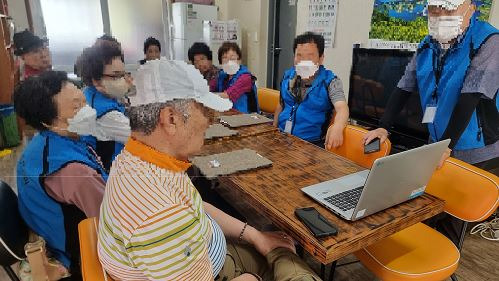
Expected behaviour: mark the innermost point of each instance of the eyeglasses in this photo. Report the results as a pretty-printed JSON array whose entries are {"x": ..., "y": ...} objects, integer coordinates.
[{"x": 117, "y": 75}]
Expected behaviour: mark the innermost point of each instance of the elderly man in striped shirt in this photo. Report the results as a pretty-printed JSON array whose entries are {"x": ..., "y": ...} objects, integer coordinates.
[{"x": 153, "y": 222}]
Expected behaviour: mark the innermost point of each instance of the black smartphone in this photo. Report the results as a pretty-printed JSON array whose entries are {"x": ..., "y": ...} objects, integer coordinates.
[
  {"x": 318, "y": 224},
  {"x": 373, "y": 146}
]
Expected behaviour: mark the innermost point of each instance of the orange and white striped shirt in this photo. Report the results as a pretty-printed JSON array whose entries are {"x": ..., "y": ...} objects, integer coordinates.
[{"x": 152, "y": 222}]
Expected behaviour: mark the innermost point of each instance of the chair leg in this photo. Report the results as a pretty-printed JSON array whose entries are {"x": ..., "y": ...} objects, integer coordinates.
[
  {"x": 11, "y": 273},
  {"x": 453, "y": 277},
  {"x": 332, "y": 270},
  {"x": 461, "y": 236},
  {"x": 323, "y": 271}
]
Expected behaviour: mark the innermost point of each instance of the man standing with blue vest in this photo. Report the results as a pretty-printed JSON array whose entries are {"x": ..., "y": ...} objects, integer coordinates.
[
  {"x": 309, "y": 93},
  {"x": 456, "y": 72}
]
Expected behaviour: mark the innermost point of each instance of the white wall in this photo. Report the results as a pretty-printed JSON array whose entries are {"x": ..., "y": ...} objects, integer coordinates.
[
  {"x": 352, "y": 26},
  {"x": 494, "y": 14},
  {"x": 17, "y": 10},
  {"x": 253, "y": 19}
]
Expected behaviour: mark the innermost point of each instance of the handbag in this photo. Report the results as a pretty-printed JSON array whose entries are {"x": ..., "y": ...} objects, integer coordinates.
[{"x": 39, "y": 266}]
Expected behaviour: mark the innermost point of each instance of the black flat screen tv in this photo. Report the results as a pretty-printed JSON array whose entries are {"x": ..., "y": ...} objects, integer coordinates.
[{"x": 375, "y": 74}]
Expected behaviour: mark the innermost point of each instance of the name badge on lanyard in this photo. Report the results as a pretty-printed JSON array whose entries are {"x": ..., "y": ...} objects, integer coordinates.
[
  {"x": 429, "y": 113},
  {"x": 289, "y": 123},
  {"x": 288, "y": 126}
]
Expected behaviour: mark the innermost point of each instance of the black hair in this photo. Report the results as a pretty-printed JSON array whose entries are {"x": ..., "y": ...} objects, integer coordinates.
[
  {"x": 94, "y": 59},
  {"x": 151, "y": 41},
  {"x": 199, "y": 48},
  {"x": 34, "y": 98},
  {"x": 310, "y": 37},
  {"x": 109, "y": 38},
  {"x": 227, "y": 46}
]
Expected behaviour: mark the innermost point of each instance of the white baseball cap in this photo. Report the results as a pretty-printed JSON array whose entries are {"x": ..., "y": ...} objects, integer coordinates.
[
  {"x": 166, "y": 80},
  {"x": 446, "y": 4}
]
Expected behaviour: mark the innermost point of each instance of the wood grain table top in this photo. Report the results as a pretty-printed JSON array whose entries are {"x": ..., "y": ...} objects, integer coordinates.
[{"x": 275, "y": 192}]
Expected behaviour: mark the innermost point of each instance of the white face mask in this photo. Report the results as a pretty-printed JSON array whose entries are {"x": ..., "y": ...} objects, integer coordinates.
[
  {"x": 116, "y": 88},
  {"x": 444, "y": 29},
  {"x": 231, "y": 67},
  {"x": 84, "y": 122},
  {"x": 306, "y": 69}
]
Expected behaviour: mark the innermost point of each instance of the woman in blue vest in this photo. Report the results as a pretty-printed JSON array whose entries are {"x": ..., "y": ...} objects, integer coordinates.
[
  {"x": 455, "y": 71},
  {"x": 309, "y": 93},
  {"x": 234, "y": 81},
  {"x": 103, "y": 72},
  {"x": 60, "y": 179}
]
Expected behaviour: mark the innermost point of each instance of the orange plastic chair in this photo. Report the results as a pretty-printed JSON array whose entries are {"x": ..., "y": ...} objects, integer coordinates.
[
  {"x": 471, "y": 194},
  {"x": 422, "y": 253},
  {"x": 268, "y": 99},
  {"x": 353, "y": 149},
  {"x": 91, "y": 268}
]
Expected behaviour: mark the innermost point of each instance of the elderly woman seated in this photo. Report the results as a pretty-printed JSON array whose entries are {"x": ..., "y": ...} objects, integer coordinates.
[
  {"x": 60, "y": 179},
  {"x": 153, "y": 223},
  {"x": 103, "y": 72}
]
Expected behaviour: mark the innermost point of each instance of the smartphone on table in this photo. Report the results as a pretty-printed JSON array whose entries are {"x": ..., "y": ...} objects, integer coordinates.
[{"x": 315, "y": 222}]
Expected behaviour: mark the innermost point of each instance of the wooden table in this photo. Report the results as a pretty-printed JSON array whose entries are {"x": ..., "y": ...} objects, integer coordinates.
[{"x": 276, "y": 192}]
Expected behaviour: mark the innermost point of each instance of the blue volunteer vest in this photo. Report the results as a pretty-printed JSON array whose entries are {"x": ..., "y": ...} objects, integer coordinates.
[
  {"x": 248, "y": 102},
  {"x": 441, "y": 84},
  {"x": 46, "y": 154},
  {"x": 313, "y": 112},
  {"x": 103, "y": 104}
]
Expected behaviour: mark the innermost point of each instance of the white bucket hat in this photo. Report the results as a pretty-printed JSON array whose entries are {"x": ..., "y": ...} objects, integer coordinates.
[
  {"x": 166, "y": 80},
  {"x": 446, "y": 4}
]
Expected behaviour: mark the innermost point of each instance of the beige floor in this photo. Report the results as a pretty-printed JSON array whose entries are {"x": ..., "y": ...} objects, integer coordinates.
[{"x": 479, "y": 261}]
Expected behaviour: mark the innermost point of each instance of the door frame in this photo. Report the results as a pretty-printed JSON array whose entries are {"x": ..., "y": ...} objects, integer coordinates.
[{"x": 271, "y": 59}]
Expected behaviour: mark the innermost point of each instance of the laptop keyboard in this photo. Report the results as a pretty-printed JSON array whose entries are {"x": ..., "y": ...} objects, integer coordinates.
[{"x": 346, "y": 200}]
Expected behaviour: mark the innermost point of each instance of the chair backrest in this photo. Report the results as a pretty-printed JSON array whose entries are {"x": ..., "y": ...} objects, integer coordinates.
[
  {"x": 13, "y": 231},
  {"x": 471, "y": 194},
  {"x": 353, "y": 149},
  {"x": 91, "y": 268},
  {"x": 268, "y": 99}
]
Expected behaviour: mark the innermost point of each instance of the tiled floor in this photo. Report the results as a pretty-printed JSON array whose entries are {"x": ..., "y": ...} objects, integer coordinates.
[{"x": 479, "y": 260}]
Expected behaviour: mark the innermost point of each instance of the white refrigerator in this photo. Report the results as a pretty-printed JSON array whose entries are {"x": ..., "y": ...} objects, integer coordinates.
[{"x": 188, "y": 26}]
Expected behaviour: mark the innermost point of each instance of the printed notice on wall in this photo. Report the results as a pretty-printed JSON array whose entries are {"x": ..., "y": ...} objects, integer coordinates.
[
  {"x": 218, "y": 29},
  {"x": 221, "y": 31},
  {"x": 322, "y": 19}
]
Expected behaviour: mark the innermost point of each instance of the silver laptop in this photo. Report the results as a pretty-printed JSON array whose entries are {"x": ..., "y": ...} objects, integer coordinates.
[{"x": 392, "y": 180}]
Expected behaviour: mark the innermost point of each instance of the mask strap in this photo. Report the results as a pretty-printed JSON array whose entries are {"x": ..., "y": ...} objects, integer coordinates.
[{"x": 53, "y": 127}]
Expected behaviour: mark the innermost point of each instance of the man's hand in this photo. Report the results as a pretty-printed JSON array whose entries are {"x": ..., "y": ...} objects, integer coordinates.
[
  {"x": 444, "y": 157},
  {"x": 380, "y": 133},
  {"x": 334, "y": 136},
  {"x": 265, "y": 242}
]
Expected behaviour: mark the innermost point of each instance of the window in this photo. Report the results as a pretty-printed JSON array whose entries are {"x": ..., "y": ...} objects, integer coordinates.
[{"x": 71, "y": 26}]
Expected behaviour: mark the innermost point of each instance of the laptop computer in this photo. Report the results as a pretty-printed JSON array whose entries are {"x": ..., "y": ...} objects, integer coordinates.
[{"x": 392, "y": 180}]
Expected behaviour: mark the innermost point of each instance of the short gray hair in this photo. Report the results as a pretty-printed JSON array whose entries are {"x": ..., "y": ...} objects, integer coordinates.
[{"x": 145, "y": 118}]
